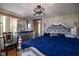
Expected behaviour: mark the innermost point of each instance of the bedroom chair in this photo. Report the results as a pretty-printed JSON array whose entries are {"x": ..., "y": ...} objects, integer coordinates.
[
  {"x": 9, "y": 42},
  {"x": 0, "y": 52}
]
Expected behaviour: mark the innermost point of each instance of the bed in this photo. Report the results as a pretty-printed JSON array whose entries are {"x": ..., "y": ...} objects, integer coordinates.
[{"x": 53, "y": 43}]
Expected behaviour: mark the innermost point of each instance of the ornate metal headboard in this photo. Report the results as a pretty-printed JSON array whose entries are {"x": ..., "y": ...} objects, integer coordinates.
[{"x": 59, "y": 28}]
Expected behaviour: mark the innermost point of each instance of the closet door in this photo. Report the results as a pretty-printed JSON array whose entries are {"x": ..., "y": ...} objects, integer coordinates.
[{"x": 36, "y": 27}]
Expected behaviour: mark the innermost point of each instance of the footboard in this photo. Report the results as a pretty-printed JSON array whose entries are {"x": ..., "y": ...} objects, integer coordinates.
[{"x": 31, "y": 52}]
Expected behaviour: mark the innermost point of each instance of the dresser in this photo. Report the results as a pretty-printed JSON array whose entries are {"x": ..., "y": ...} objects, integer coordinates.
[{"x": 26, "y": 35}]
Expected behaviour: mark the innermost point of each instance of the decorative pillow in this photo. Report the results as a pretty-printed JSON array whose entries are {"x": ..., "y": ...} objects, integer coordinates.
[
  {"x": 61, "y": 35},
  {"x": 57, "y": 34},
  {"x": 70, "y": 36},
  {"x": 47, "y": 34},
  {"x": 53, "y": 34}
]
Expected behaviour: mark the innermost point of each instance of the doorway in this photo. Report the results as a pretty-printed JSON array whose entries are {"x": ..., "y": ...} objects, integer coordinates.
[{"x": 37, "y": 27}]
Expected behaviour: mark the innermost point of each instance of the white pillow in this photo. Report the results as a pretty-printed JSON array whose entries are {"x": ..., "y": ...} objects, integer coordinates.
[
  {"x": 53, "y": 34},
  {"x": 69, "y": 35}
]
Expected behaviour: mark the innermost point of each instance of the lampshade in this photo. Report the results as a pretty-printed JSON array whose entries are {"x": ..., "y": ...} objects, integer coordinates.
[{"x": 39, "y": 11}]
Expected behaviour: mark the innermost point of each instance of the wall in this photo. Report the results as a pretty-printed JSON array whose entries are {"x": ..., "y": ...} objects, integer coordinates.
[
  {"x": 70, "y": 20},
  {"x": 9, "y": 13},
  {"x": 22, "y": 25},
  {"x": 30, "y": 21}
]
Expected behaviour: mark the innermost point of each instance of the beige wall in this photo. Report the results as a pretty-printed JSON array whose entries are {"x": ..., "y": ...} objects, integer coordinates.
[
  {"x": 23, "y": 22},
  {"x": 69, "y": 20}
]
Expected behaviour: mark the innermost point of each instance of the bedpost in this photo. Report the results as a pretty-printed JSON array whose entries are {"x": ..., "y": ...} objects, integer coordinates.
[{"x": 19, "y": 42}]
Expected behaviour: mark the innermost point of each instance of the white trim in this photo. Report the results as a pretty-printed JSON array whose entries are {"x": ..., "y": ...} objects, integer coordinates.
[
  {"x": 31, "y": 51},
  {"x": 36, "y": 50}
]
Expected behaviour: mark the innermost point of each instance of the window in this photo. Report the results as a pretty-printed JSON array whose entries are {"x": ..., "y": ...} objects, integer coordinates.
[
  {"x": 39, "y": 27},
  {"x": 2, "y": 24},
  {"x": 1, "y": 30},
  {"x": 29, "y": 26},
  {"x": 13, "y": 24},
  {"x": 8, "y": 24}
]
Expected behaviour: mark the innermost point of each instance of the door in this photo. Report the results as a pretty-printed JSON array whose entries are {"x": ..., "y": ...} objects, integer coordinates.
[{"x": 36, "y": 27}]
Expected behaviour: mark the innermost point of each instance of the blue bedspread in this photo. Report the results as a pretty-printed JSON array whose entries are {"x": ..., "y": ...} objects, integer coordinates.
[{"x": 54, "y": 46}]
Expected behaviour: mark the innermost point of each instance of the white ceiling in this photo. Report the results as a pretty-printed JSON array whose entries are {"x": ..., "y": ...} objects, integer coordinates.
[{"x": 51, "y": 9}]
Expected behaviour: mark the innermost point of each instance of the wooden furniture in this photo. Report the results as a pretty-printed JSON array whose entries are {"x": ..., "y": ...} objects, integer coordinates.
[
  {"x": 9, "y": 42},
  {"x": 36, "y": 27},
  {"x": 26, "y": 35},
  {"x": 23, "y": 36},
  {"x": 0, "y": 52},
  {"x": 1, "y": 37}
]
